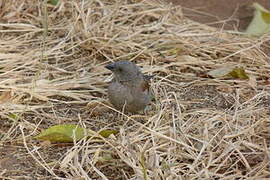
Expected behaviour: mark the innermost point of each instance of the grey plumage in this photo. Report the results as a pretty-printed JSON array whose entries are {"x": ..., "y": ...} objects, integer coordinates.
[{"x": 129, "y": 89}]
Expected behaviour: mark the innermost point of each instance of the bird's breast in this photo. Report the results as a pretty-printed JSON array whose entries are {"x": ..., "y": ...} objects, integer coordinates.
[{"x": 133, "y": 97}]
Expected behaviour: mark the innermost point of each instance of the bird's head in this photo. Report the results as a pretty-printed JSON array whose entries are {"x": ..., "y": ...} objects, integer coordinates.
[{"x": 125, "y": 70}]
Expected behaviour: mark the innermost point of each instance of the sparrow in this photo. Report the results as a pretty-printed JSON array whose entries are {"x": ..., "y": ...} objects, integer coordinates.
[{"x": 129, "y": 89}]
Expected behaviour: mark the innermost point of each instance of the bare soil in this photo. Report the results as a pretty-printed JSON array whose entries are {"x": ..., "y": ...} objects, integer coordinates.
[{"x": 227, "y": 14}]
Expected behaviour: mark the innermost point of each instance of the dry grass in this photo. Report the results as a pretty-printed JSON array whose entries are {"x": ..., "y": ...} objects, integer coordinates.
[{"x": 52, "y": 66}]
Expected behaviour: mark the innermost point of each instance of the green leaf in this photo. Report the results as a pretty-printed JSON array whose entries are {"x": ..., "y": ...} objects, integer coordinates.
[
  {"x": 239, "y": 73},
  {"x": 53, "y": 2},
  {"x": 260, "y": 23},
  {"x": 106, "y": 133},
  {"x": 229, "y": 71},
  {"x": 63, "y": 133},
  {"x": 13, "y": 116},
  {"x": 266, "y": 17}
]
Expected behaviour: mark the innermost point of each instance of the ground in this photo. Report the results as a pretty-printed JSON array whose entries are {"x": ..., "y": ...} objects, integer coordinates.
[
  {"x": 197, "y": 127},
  {"x": 235, "y": 15}
]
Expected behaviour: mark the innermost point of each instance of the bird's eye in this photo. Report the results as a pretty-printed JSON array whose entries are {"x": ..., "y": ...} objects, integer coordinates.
[{"x": 120, "y": 69}]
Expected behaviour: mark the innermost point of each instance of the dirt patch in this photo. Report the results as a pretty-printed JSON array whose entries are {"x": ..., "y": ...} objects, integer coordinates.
[{"x": 233, "y": 14}]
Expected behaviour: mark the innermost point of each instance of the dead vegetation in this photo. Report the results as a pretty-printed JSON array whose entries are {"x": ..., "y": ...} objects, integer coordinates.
[{"x": 52, "y": 72}]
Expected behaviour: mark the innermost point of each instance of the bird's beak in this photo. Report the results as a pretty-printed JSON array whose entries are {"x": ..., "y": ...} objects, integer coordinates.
[{"x": 110, "y": 66}]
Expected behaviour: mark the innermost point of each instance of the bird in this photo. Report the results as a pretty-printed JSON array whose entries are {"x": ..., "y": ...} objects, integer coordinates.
[{"x": 129, "y": 89}]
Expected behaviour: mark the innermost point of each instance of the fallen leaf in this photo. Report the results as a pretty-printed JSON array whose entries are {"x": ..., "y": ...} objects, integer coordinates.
[
  {"x": 53, "y": 2},
  {"x": 66, "y": 133},
  {"x": 221, "y": 72},
  {"x": 229, "y": 71},
  {"x": 260, "y": 23},
  {"x": 13, "y": 116},
  {"x": 63, "y": 133},
  {"x": 107, "y": 132},
  {"x": 238, "y": 73}
]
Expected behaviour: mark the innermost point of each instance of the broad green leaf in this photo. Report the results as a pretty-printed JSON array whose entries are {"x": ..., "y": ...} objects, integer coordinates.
[
  {"x": 229, "y": 71},
  {"x": 70, "y": 132},
  {"x": 260, "y": 23},
  {"x": 63, "y": 133}
]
